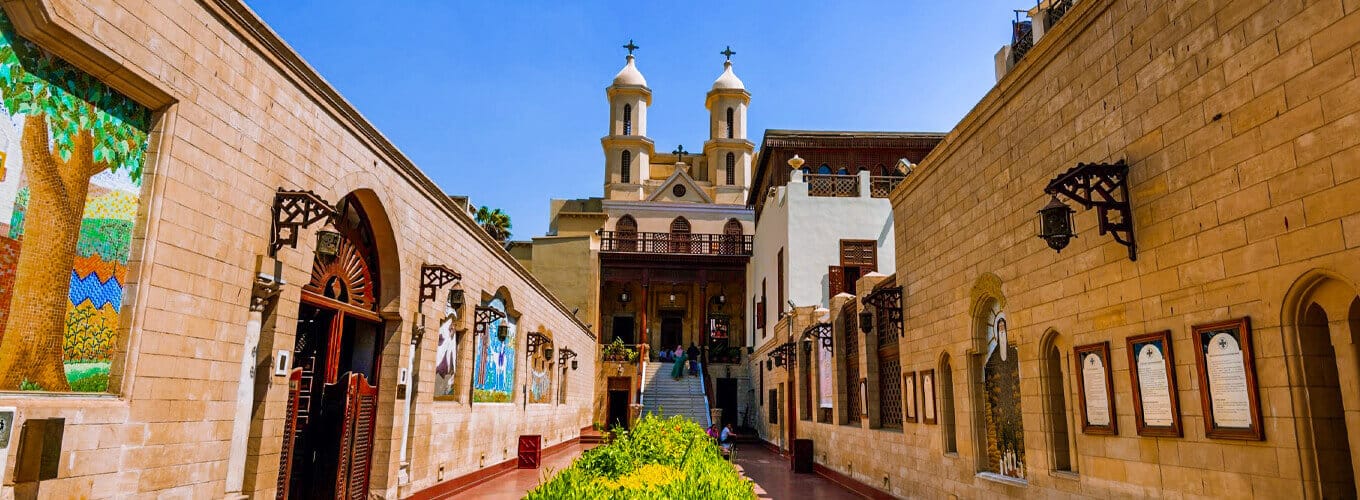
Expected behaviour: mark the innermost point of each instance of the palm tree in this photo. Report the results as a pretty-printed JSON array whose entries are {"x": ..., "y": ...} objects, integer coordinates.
[{"x": 495, "y": 222}]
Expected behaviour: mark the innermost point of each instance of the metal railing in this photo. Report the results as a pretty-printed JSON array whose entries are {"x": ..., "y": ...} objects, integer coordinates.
[
  {"x": 882, "y": 186},
  {"x": 832, "y": 185},
  {"x": 1022, "y": 38},
  {"x": 1056, "y": 10},
  {"x": 676, "y": 243}
]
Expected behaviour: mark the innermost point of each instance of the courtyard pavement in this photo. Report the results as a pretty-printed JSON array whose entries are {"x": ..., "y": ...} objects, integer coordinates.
[{"x": 771, "y": 473}]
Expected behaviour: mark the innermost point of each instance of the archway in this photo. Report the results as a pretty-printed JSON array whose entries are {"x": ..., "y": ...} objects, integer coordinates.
[
  {"x": 1001, "y": 442},
  {"x": 1322, "y": 313},
  {"x": 337, "y": 359}
]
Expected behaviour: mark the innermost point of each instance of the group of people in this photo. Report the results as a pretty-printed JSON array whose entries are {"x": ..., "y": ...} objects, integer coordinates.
[
  {"x": 724, "y": 438},
  {"x": 680, "y": 356}
]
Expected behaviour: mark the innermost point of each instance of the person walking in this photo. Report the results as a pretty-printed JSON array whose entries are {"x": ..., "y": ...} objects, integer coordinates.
[
  {"x": 678, "y": 370},
  {"x": 693, "y": 354}
]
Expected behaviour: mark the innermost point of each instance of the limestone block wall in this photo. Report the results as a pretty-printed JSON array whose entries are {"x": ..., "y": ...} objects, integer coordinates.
[
  {"x": 1240, "y": 126},
  {"x": 239, "y": 115}
]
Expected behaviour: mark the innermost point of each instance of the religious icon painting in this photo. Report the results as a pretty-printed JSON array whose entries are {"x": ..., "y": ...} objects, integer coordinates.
[
  {"x": 1096, "y": 389},
  {"x": 1152, "y": 374},
  {"x": 1227, "y": 380}
]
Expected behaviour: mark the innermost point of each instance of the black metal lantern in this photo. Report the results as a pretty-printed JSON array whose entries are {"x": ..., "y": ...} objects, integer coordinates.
[
  {"x": 624, "y": 298},
  {"x": 503, "y": 331},
  {"x": 327, "y": 240},
  {"x": 1055, "y": 224},
  {"x": 456, "y": 298},
  {"x": 547, "y": 353},
  {"x": 769, "y": 364},
  {"x": 575, "y": 364},
  {"x": 866, "y": 321}
]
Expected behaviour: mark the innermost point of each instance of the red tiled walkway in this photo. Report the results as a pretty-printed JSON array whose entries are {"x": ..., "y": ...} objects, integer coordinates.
[
  {"x": 775, "y": 479},
  {"x": 514, "y": 484}
]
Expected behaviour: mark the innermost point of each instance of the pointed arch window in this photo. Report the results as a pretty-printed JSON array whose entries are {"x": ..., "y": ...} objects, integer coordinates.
[
  {"x": 731, "y": 238},
  {"x": 843, "y": 171},
  {"x": 625, "y": 232},
  {"x": 627, "y": 119},
  {"x": 680, "y": 235},
  {"x": 625, "y": 165},
  {"x": 824, "y": 169},
  {"x": 730, "y": 127},
  {"x": 731, "y": 169}
]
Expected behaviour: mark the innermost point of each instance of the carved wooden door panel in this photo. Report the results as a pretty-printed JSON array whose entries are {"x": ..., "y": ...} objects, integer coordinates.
[
  {"x": 290, "y": 421},
  {"x": 356, "y": 438}
]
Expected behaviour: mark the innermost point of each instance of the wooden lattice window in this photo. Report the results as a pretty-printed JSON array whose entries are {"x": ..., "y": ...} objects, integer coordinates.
[
  {"x": 627, "y": 119},
  {"x": 850, "y": 357},
  {"x": 625, "y": 234},
  {"x": 889, "y": 388},
  {"x": 887, "y": 304},
  {"x": 731, "y": 169},
  {"x": 680, "y": 240},
  {"x": 730, "y": 124},
  {"x": 625, "y": 167}
]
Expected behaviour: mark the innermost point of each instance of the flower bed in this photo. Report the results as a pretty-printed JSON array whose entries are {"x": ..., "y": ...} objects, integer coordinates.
[{"x": 659, "y": 458}]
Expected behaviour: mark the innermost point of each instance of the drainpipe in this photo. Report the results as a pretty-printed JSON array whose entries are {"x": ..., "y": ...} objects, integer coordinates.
[
  {"x": 262, "y": 294},
  {"x": 407, "y": 409}
]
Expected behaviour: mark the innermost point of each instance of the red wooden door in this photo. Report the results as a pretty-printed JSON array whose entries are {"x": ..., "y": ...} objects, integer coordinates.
[
  {"x": 361, "y": 411},
  {"x": 530, "y": 451}
]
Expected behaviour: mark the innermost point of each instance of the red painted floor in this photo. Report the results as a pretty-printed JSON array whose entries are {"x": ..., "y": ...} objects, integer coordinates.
[
  {"x": 771, "y": 473},
  {"x": 775, "y": 479}
]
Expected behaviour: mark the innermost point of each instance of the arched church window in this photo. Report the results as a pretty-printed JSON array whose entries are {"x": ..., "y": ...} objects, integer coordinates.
[
  {"x": 732, "y": 228},
  {"x": 625, "y": 165},
  {"x": 843, "y": 171},
  {"x": 824, "y": 169},
  {"x": 998, "y": 388},
  {"x": 680, "y": 235},
  {"x": 731, "y": 169},
  {"x": 627, "y": 119},
  {"x": 730, "y": 115},
  {"x": 731, "y": 239},
  {"x": 625, "y": 233}
]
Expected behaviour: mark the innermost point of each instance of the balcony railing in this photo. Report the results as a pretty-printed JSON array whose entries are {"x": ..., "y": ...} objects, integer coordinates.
[
  {"x": 676, "y": 243},
  {"x": 882, "y": 186},
  {"x": 832, "y": 185}
]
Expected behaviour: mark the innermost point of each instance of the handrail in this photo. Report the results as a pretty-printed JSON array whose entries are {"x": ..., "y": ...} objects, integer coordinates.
[
  {"x": 833, "y": 185},
  {"x": 708, "y": 411},
  {"x": 677, "y": 243}
]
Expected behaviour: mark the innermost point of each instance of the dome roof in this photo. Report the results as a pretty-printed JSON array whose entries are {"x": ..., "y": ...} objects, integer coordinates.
[
  {"x": 728, "y": 80},
  {"x": 630, "y": 75}
]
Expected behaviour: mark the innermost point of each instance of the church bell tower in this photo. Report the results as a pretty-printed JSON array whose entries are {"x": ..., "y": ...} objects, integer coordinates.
[
  {"x": 728, "y": 150},
  {"x": 627, "y": 149}
]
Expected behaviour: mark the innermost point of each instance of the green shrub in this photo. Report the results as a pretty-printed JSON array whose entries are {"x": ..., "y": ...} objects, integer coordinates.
[{"x": 659, "y": 458}]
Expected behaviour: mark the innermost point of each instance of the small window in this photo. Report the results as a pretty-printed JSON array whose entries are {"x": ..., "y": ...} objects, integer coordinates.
[
  {"x": 626, "y": 224},
  {"x": 730, "y": 115},
  {"x": 824, "y": 169},
  {"x": 843, "y": 171},
  {"x": 627, "y": 119},
  {"x": 679, "y": 190},
  {"x": 774, "y": 406},
  {"x": 732, "y": 228},
  {"x": 731, "y": 169},
  {"x": 680, "y": 225},
  {"x": 625, "y": 176}
]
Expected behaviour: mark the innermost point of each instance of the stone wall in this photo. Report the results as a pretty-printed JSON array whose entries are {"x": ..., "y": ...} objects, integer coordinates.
[
  {"x": 1239, "y": 123},
  {"x": 237, "y": 116}
]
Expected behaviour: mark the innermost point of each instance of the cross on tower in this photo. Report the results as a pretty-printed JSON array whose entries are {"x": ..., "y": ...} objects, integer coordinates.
[
  {"x": 680, "y": 152},
  {"x": 728, "y": 52},
  {"x": 631, "y": 46}
]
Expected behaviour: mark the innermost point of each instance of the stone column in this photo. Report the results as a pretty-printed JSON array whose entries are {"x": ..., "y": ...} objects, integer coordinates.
[{"x": 263, "y": 293}]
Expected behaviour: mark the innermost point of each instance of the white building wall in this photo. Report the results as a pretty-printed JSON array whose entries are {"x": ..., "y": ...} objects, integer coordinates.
[{"x": 811, "y": 228}]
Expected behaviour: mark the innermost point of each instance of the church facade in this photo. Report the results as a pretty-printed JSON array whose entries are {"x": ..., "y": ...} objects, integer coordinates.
[{"x": 659, "y": 260}]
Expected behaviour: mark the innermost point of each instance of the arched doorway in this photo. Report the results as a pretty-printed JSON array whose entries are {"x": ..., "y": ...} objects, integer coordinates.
[
  {"x": 1325, "y": 314},
  {"x": 997, "y": 390},
  {"x": 333, "y": 393}
]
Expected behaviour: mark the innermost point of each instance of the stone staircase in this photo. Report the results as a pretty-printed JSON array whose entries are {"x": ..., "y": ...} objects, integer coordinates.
[{"x": 666, "y": 396}]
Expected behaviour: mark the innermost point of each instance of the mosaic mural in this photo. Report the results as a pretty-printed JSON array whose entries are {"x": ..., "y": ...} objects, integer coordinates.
[
  {"x": 1005, "y": 430},
  {"x": 540, "y": 386},
  {"x": 71, "y": 159},
  {"x": 493, "y": 378},
  {"x": 446, "y": 357}
]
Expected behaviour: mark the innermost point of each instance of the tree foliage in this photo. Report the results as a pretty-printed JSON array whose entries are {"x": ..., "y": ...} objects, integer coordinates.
[
  {"x": 495, "y": 222},
  {"x": 35, "y": 82}
]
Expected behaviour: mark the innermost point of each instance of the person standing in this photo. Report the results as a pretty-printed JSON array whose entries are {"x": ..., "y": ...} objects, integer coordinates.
[
  {"x": 693, "y": 354},
  {"x": 678, "y": 370}
]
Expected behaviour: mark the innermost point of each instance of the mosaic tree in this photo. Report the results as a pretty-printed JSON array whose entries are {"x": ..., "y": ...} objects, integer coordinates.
[{"x": 74, "y": 128}]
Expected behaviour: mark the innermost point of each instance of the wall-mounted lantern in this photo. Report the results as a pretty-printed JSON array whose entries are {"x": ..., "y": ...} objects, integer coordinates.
[
  {"x": 294, "y": 211},
  {"x": 547, "y": 353},
  {"x": 503, "y": 331},
  {"x": 769, "y": 364},
  {"x": 577, "y": 364},
  {"x": 624, "y": 297},
  {"x": 866, "y": 321},
  {"x": 1103, "y": 186},
  {"x": 328, "y": 240},
  {"x": 534, "y": 340},
  {"x": 456, "y": 299},
  {"x": 567, "y": 354}
]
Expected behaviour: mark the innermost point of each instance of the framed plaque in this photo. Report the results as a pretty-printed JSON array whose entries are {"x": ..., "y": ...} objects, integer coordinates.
[
  {"x": 928, "y": 397},
  {"x": 863, "y": 397},
  {"x": 1152, "y": 374},
  {"x": 1096, "y": 389},
  {"x": 1227, "y": 380},
  {"x": 909, "y": 396}
]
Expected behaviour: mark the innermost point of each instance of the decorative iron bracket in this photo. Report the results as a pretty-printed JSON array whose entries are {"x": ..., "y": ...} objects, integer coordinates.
[
  {"x": 482, "y": 319},
  {"x": 565, "y": 355},
  {"x": 1104, "y": 186},
  {"x": 433, "y": 277},
  {"x": 785, "y": 353},
  {"x": 889, "y": 299},
  {"x": 293, "y": 211},
  {"x": 820, "y": 331},
  {"x": 534, "y": 340}
]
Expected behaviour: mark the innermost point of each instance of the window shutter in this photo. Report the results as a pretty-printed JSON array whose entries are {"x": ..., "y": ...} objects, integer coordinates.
[{"x": 835, "y": 280}]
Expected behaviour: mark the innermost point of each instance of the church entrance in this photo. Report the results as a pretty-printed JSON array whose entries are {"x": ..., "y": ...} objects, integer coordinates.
[
  {"x": 672, "y": 329},
  {"x": 623, "y": 329},
  {"x": 333, "y": 394}
]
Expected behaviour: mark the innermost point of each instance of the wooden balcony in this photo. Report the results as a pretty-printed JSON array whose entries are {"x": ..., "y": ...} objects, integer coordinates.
[
  {"x": 847, "y": 186},
  {"x": 676, "y": 243}
]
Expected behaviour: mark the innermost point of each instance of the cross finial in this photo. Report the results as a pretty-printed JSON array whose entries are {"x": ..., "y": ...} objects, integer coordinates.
[
  {"x": 728, "y": 52},
  {"x": 680, "y": 152},
  {"x": 631, "y": 46}
]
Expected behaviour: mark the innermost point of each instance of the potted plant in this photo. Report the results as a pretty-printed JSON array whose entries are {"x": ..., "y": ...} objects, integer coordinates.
[{"x": 618, "y": 351}]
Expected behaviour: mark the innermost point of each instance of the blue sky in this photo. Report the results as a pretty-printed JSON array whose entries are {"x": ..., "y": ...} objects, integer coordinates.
[{"x": 504, "y": 101}]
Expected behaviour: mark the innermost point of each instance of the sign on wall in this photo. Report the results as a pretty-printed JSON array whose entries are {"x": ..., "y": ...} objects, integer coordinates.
[
  {"x": 1152, "y": 374},
  {"x": 1096, "y": 389},
  {"x": 1227, "y": 380}
]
